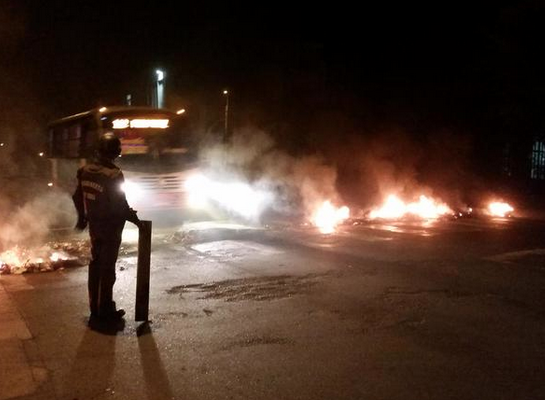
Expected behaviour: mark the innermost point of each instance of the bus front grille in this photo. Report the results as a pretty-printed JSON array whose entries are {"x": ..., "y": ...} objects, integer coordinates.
[{"x": 159, "y": 183}]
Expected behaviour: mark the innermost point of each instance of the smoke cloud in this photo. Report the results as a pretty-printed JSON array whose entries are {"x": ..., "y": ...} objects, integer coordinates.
[
  {"x": 359, "y": 170},
  {"x": 28, "y": 223},
  {"x": 376, "y": 164},
  {"x": 28, "y": 207},
  {"x": 295, "y": 185}
]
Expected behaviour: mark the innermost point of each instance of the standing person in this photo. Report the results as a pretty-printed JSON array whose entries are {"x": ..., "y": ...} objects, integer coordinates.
[{"x": 101, "y": 202}]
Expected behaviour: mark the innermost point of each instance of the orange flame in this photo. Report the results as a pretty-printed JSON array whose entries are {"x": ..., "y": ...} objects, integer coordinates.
[
  {"x": 327, "y": 217},
  {"x": 425, "y": 207},
  {"x": 500, "y": 209},
  {"x": 18, "y": 260}
]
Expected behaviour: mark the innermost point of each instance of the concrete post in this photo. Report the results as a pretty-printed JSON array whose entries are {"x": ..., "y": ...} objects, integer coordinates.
[{"x": 143, "y": 272}]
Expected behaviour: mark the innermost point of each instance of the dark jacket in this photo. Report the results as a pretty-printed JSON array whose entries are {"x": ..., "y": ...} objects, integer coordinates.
[{"x": 99, "y": 198}]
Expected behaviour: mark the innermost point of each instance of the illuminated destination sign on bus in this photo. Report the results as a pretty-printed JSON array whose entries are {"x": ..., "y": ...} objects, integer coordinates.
[{"x": 140, "y": 123}]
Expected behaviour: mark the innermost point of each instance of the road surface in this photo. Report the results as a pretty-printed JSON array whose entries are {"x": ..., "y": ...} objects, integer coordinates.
[{"x": 447, "y": 310}]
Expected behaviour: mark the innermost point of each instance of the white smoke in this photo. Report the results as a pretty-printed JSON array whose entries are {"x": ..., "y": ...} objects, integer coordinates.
[
  {"x": 289, "y": 184},
  {"x": 30, "y": 223}
]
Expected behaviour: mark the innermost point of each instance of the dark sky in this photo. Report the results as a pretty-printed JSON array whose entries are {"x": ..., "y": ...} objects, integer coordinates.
[{"x": 423, "y": 67}]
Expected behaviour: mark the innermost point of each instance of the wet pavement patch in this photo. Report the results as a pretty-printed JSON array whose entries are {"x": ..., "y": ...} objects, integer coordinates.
[
  {"x": 258, "y": 341},
  {"x": 216, "y": 233},
  {"x": 230, "y": 249},
  {"x": 534, "y": 259},
  {"x": 257, "y": 289}
]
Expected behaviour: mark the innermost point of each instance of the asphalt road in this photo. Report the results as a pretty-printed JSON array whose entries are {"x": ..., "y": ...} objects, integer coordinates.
[{"x": 450, "y": 310}]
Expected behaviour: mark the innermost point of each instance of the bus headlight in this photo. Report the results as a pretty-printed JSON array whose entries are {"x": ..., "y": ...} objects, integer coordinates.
[
  {"x": 197, "y": 187},
  {"x": 132, "y": 190},
  {"x": 235, "y": 196}
]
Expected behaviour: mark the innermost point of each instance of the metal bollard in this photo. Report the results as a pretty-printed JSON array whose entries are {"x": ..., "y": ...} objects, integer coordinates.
[{"x": 143, "y": 272}]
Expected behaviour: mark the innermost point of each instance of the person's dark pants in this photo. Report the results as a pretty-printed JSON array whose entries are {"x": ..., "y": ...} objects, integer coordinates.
[{"x": 104, "y": 251}]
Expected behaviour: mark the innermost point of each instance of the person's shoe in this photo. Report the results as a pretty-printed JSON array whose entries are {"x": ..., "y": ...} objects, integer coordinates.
[
  {"x": 93, "y": 319},
  {"x": 110, "y": 313},
  {"x": 115, "y": 315}
]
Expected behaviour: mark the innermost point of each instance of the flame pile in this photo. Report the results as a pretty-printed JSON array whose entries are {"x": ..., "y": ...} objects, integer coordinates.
[
  {"x": 327, "y": 217},
  {"x": 19, "y": 260},
  {"x": 425, "y": 208},
  {"x": 500, "y": 209}
]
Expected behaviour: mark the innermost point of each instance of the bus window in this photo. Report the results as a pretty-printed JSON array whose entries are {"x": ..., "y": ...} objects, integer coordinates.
[{"x": 73, "y": 144}]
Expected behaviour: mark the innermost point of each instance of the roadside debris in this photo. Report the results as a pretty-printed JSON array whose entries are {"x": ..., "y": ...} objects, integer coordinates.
[{"x": 50, "y": 257}]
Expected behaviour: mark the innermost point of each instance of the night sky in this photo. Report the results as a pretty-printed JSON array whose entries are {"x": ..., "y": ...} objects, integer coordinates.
[{"x": 303, "y": 73}]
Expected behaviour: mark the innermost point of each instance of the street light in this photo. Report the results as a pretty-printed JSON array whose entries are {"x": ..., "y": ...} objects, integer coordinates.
[
  {"x": 226, "y": 119},
  {"x": 160, "y": 88}
]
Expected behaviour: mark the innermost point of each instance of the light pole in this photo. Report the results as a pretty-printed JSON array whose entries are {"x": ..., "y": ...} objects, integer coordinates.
[
  {"x": 160, "y": 88},
  {"x": 226, "y": 118}
]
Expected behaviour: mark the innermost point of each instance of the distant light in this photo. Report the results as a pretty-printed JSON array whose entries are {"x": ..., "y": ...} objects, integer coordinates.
[
  {"x": 50, "y": 184},
  {"x": 1, "y": 144},
  {"x": 41, "y": 154},
  {"x": 181, "y": 111},
  {"x": 102, "y": 109},
  {"x": 225, "y": 92},
  {"x": 160, "y": 75}
]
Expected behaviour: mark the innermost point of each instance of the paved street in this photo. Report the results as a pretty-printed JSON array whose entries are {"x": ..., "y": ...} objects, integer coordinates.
[{"x": 450, "y": 310}]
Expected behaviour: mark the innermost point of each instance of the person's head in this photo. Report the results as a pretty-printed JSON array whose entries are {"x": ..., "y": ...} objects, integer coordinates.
[{"x": 109, "y": 146}]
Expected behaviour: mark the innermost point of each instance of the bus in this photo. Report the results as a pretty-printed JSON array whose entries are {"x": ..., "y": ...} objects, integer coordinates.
[{"x": 158, "y": 152}]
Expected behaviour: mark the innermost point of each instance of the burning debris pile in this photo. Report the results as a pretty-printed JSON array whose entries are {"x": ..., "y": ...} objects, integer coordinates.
[
  {"x": 250, "y": 176},
  {"x": 424, "y": 208},
  {"x": 500, "y": 209},
  {"x": 25, "y": 231},
  {"x": 50, "y": 257},
  {"x": 327, "y": 217},
  {"x": 427, "y": 208}
]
